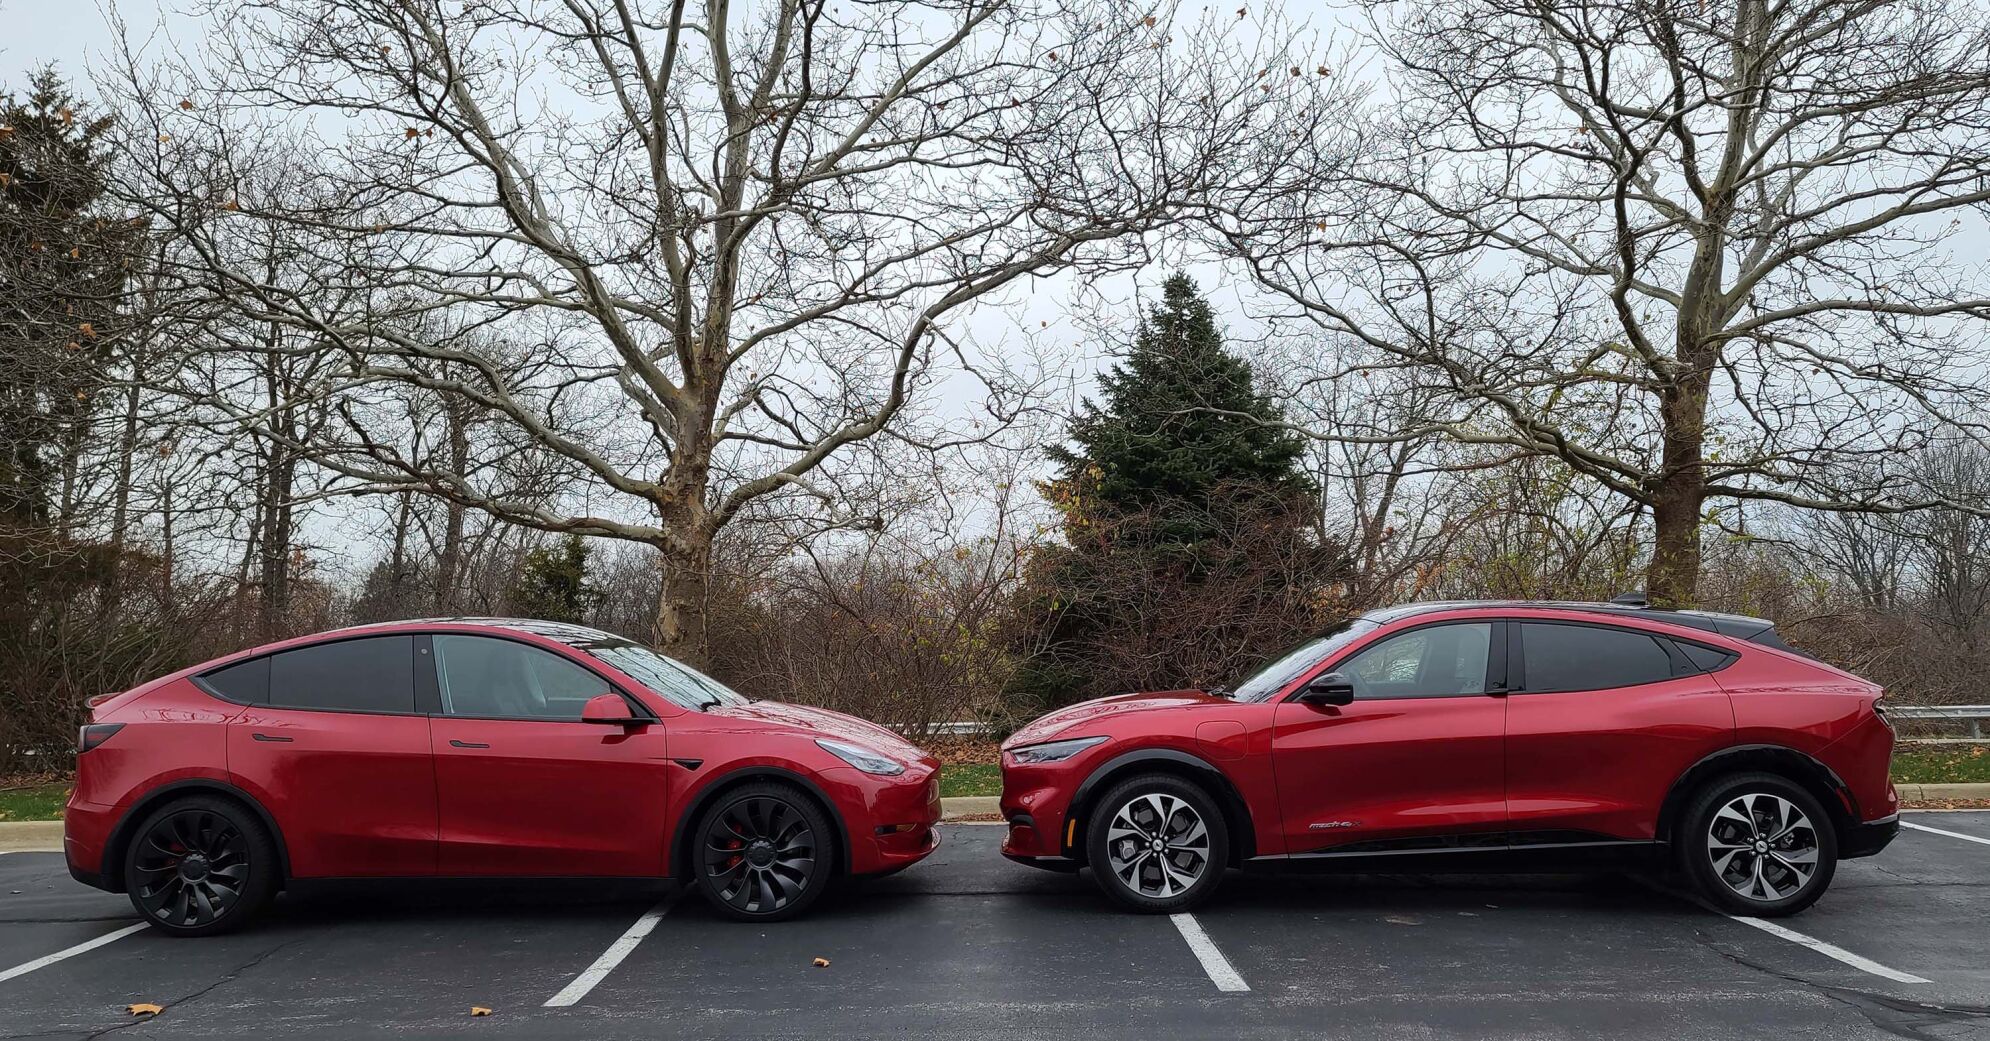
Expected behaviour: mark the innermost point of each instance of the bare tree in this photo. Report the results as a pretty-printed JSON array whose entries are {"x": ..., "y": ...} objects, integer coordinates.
[
  {"x": 738, "y": 242},
  {"x": 1699, "y": 252}
]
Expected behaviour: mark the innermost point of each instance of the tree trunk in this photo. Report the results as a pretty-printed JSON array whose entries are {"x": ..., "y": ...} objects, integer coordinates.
[
  {"x": 680, "y": 629},
  {"x": 1678, "y": 494}
]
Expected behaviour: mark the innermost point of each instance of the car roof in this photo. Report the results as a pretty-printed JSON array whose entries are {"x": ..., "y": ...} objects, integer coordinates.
[
  {"x": 1740, "y": 627},
  {"x": 563, "y": 632}
]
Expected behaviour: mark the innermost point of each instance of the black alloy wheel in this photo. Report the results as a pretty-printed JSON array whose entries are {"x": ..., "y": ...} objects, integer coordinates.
[
  {"x": 199, "y": 866},
  {"x": 764, "y": 853}
]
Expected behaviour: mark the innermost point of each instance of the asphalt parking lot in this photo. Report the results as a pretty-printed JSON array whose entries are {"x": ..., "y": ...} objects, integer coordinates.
[{"x": 970, "y": 945}]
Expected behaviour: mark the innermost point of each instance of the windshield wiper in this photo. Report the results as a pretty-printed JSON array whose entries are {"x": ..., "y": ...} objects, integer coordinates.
[{"x": 1222, "y": 692}]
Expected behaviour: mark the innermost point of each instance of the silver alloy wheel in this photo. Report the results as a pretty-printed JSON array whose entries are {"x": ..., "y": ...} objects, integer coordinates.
[
  {"x": 1763, "y": 847},
  {"x": 1157, "y": 845}
]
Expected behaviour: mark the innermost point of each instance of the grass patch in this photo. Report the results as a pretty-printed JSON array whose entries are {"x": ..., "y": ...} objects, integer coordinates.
[
  {"x": 33, "y": 802},
  {"x": 970, "y": 779},
  {"x": 1941, "y": 764}
]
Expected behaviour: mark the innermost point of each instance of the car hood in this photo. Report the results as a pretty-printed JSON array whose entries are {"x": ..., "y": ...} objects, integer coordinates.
[
  {"x": 825, "y": 723},
  {"x": 1048, "y": 726}
]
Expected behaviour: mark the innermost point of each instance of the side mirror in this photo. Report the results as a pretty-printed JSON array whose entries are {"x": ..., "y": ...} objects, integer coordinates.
[
  {"x": 608, "y": 709},
  {"x": 1330, "y": 688}
]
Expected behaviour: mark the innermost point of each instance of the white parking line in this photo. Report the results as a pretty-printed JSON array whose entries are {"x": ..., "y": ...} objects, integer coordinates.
[
  {"x": 82, "y": 948},
  {"x": 1950, "y": 834},
  {"x": 613, "y": 956},
  {"x": 1213, "y": 962},
  {"x": 1829, "y": 950}
]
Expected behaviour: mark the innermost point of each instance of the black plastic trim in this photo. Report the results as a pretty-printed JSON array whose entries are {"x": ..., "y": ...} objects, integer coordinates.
[
  {"x": 1709, "y": 765},
  {"x": 1224, "y": 789}
]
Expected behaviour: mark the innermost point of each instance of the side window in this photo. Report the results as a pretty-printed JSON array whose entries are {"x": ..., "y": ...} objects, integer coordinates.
[
  {"x": 1707, "y": 659},
  {"x": 246, "y": 682},
  {"x": 1437, "y": 661},
  {"x": 505, "y": 679},
  {"x": 375, "y": 674},
  {"x": 1588, "y": 657}
]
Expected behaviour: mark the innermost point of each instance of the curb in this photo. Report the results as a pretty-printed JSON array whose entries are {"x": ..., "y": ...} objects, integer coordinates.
[
  {"x": 31, "y": 837},
  {"x": 988, "y": 805},
  {"x": 1943, "y": 792}
]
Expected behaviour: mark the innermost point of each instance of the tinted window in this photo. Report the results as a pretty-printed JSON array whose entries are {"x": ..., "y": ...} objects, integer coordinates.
[
  {"x": 483, "y": 676},
  {"x": 1704, "y": 657},
  {"x": 376, "y": 674},
  {"x": 246, "y": 682},
  {"x": 1436, "y": 661},
  {"x": 1586, "y": 657}
]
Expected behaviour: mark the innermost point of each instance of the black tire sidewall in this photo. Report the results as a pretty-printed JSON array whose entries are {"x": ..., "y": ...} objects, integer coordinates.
[
  {"x": 263, "y": 867},
  {"x": 1693, "y": 844},
  {"x": 795, "y": 799},
  {"x": 1101, "y": 821}
]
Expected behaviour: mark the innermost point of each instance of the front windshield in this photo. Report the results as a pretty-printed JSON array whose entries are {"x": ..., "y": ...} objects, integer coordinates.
[
  {"x": 679, "y": 682},
  {"x": 1272, "y": 678}
]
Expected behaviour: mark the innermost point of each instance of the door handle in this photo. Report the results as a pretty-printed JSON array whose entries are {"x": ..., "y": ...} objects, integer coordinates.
[
  {"x": 272, "y": 738},
  {"x": 453, "y": 743}
]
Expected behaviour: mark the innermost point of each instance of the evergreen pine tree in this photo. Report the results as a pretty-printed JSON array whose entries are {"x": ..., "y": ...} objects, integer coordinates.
[
  {"x": 553, "y": 584},
  {"x": 1187, "y": 523}
]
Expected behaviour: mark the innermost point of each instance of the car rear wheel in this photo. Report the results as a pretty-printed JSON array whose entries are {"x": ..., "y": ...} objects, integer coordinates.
[
  {"x": 764, "y": 852},
  {"x": 200, "y": 866},
  {"x": 1756, "y": 844},
  {"x": 1157, "y": 844}
]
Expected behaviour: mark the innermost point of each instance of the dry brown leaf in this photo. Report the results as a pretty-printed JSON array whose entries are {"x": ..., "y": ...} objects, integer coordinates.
[
  {"x": 822, "y": 963},
  {"x": 65, "y": 114},
  {"x": 5, "y": 179},
  {"x": 144, "y": 1008},
  {"x": 186, "y": 105},
  {"x": 231, "y": 205},
  {"x": 479, "y": 1010},
  {"x": 413, "y": 133},
  {"x": 87, "y": 329}
]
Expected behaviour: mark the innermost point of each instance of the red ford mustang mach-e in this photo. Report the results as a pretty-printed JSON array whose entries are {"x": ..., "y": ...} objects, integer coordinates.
[
  {"x": 479, "y": 747},
  {"x": 1473, "y": 736}
]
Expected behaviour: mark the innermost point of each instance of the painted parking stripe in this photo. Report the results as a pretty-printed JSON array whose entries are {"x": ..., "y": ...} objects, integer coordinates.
[
  {"x": 1830, "y": 950},
  {"x": 610, "y": 958},
  {"x": 1219, "y": 969},
  {"x": 1950, "y": 834},
  {"x": 82, "y": 948}
]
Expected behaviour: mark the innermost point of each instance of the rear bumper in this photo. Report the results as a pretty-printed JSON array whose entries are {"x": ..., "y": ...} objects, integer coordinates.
[
  {"x": 1869, "y": 838},
  {"x": 86, "y": 831}
]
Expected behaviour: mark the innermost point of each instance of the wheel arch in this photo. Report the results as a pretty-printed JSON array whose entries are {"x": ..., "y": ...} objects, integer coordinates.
[
  {"x": 1805, "y": 771},
  {"x": 121, "y": 834},
  {"x": 679, "y": 856},
  {"x": 1189, "y": 767}
]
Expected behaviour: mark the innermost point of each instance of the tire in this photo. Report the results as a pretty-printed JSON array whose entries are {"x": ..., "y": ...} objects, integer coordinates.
[
  {"x": 200, "y": 866},
  {"x": 1157, "y": 844},
  {"x": 1746, "y": 841},
  {"x": 764, "y": 852}
]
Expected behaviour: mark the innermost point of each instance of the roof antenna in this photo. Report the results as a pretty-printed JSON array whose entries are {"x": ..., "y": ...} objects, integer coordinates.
[{"x": 1634, "y": 598}]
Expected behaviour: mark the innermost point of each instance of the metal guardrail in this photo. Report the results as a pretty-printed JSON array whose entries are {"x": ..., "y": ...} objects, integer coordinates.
[{"x": 1974, "y": 715}]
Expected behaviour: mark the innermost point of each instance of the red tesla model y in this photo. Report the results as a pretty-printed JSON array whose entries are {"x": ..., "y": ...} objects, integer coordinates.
[
  {"x": 1474, "y": 736},
  {"x": 479, "y": 747}
]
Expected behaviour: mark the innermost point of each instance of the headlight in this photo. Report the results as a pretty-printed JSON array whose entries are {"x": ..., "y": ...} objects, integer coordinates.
[
  {"x": 1054, "y": 751},
  {"x": 862, "y": 758}
]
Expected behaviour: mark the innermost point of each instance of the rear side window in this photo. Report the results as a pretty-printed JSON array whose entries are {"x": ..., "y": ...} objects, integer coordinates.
[
  {"x": 246, "y": 682},
  {"x": 375, "y": 674},
  {"x": 1588, "y": 657},
  {"x": 1704, "y": 658}
]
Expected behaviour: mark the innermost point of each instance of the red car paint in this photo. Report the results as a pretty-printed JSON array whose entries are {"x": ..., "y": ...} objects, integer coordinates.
[
  {"x": 1499, "y": 771},
  {"x": 355, "y": 794}
]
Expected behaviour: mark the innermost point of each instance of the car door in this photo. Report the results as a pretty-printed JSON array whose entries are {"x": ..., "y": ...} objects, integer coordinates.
[
  {"x": 1600, "y": 721},
  {"x": 335, "y": 746},
  {"x": 1416, "y": 760},
  {"x": 525, "y": 787}
]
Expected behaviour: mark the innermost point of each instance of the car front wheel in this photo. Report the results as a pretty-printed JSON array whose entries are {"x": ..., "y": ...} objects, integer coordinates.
[
  {"x": 1756, "y": 844},
  {"x": 764, "y": 853},
  {"x": 1157, "y": 844}
]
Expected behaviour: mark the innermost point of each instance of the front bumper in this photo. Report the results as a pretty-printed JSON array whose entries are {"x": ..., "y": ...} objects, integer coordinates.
[
  {"x": 890, "y": 819},
  {"x": 1869, "y": 838}
]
